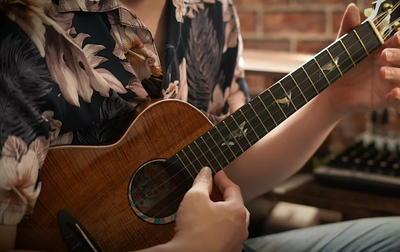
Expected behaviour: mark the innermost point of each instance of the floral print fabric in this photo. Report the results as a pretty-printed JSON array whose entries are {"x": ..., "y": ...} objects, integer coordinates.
[{"x": 73, "y": 71}]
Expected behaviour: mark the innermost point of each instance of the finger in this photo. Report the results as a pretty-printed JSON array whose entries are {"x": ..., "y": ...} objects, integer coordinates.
[
  {"x": 351, "y": 19},
  {"x": 230, "y": 190},
  {"x": 391, "y": 55},
  {"x": 394, "y": 97},
  {"x": 390, "y": 73},
  {"x": 203, "y": 181}
]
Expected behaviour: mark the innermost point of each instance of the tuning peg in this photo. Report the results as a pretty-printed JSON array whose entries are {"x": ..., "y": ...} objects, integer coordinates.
[
  {"x": 367, "y": 12},
  {"x": 388, "y": 7}
]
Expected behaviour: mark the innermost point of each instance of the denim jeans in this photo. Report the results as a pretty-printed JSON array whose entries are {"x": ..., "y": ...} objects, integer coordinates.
[{"x": 373, "y": 234}]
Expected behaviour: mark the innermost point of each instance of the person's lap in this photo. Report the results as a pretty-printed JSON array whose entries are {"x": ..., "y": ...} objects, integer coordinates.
[{"x": 373, "y": 234}]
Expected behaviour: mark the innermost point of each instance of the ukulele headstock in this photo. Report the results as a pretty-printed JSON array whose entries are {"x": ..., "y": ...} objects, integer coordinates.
[{"x": 386, "y": 17}]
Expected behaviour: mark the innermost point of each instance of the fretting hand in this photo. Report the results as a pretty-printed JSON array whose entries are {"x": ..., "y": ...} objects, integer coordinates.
[{"x": 372, "y": 84}]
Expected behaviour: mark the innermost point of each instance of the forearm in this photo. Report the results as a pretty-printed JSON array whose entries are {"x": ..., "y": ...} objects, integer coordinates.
[{"x": 284, "y": 150}]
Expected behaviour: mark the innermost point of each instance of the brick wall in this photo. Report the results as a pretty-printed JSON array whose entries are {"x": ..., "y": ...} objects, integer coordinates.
[{"x": 302, "y": 26}]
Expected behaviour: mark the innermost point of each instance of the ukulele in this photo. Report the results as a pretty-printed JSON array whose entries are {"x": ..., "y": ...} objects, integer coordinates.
[{"x": 125, "y": 196}]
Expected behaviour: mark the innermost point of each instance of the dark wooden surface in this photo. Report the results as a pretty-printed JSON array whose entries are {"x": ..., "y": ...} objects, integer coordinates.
[{"x": 353, "y": 204}]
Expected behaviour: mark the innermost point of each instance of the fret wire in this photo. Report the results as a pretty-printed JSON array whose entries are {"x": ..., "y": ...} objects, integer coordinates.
[
  {"x": 184, "y": 165},
  {"x": 355, "y": 32},
  {"x": 267, "y": 110},
  {"x": 330, "y": 55},
  {"x": 290, "y": 100},
  {"x": 254, "y": 111},
  {"x": 189, "y": 160},
  {"x": 218, "y": 145},
  {"x": 371, "y": 39},
  {"x": 298, "y": 87},
  {"x": 348, "y": 53},
  {"x": 333, "y": 60},
  {"x": 202, "y": 153},
  {"x": 309, "y": 78},
  {"x": 326, "y": 77},
  {"x": 195, "y": 156},
  {"x": 227, "y": 144},
  {"x": 338, "y": 67},
  {"x": 264, "y": 106},
  {"x": 234, "y": 138},
  {"x": 243, "y": 134},
  {"x": 251, "y": 126},
  {"x": 212, "y": 153},
  {"x": 276, "y": 101}
]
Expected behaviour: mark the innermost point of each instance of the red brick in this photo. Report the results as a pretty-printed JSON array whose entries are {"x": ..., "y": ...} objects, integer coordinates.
[
  {"x": 247, "y": 22},
  {"x": 253, "y": 81},
  {"x": 311, "y": 46},
  {"x": 294, "y": 23},
  {"x": 281, "y": 45},
  {"x": 268, "y": 81}
]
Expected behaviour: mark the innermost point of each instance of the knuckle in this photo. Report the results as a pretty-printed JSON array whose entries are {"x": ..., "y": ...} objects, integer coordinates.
[
  {"x": 236, "y": 187},
  {"x": 240, "y": 214}
]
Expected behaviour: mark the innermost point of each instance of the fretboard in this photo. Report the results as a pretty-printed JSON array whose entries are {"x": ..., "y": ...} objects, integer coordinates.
[{"x": 238, "y": 132}]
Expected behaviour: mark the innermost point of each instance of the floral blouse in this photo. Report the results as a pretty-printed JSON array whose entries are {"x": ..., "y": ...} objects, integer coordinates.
[{"x": 72, "y": 70}]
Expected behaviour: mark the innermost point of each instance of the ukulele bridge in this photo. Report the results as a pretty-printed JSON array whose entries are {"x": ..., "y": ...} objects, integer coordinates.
[{"x": 75, "y": 236}]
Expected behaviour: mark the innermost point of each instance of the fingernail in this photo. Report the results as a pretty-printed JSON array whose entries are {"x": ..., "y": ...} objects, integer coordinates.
[
  {"x": 389, "y": 55},
  {"x": 388, "y": 73},
  {"x": 350, "y": 5},
  {"x": 205, "y": 172}
]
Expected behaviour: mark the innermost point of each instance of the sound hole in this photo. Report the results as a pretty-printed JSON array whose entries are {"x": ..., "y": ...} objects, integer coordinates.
[{"x": 157, "y": 189}]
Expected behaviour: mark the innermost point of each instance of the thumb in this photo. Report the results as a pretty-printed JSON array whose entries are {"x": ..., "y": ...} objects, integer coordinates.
[
  {"x": 351, "y": 19},
  {"x": 204, "y": 181}
]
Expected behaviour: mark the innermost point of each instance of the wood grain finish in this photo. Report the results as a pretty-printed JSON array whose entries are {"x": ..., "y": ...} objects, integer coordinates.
[{"x": 92, "y": 182}]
